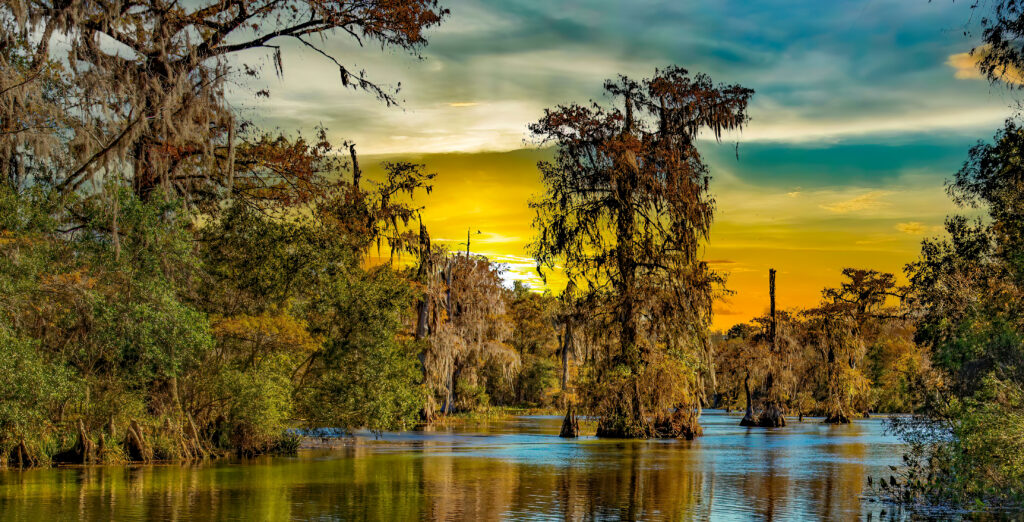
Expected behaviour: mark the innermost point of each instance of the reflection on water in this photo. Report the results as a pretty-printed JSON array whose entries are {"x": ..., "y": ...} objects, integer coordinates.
[{"x": 512, "y": 469}]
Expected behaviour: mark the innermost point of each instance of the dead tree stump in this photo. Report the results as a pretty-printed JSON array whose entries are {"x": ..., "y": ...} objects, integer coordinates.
[{"x": 570, "y": 426}]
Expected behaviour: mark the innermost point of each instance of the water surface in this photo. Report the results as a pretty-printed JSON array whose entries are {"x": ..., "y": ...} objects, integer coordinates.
[{"x": 509, "y": 469}]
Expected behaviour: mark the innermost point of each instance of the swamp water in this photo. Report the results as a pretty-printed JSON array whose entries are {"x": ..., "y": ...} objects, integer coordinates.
[{"x": 515, "y": 468}]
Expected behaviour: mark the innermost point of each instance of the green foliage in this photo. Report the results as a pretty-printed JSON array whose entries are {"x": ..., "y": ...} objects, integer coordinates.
[
  {"x": 537, "y": 381},
  {"x": 370, "y": 386},
  {"x": 263, "y": 324},
  {"x": 261, "y": 404},
  {"x": 971, "y": 454},
  {"x": 30, "y": 391},
  {"x": 471, "y": 397},
  {"x": 968, "y": 442},
  {"x": 987, "y": 454},
  {"x": 188, "y": 281}
]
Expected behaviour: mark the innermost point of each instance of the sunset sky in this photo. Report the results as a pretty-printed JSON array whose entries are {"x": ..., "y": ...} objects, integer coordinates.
[{"x": 862, "y": 110}]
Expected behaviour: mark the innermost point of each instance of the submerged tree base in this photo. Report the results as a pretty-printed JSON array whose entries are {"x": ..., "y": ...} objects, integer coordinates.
[
  {"x": 619, "y": 427},
  {"x": 570, "y": 426},
  {"x": 682, "y": 424},
  {"x": 837, "y": 418},
  {"x": 770, "y": 418}
]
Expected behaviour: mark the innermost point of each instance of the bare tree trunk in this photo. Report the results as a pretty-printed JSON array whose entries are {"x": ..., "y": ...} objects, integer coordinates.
[
  {"x": 570, "y": 426},
  {"x": 450, "y": 395},
  {"x": 772, "y": 416},
  {"x": 566, "y": 346},
  {"x": 135, "y": 442},
  {"x": 175, "y": 398},
  {"x": 85, "y": 447},
  {"x": 356, "y": 173},
  {"x": 749, "y": 419},
  {"x": 423, "y": 306}
]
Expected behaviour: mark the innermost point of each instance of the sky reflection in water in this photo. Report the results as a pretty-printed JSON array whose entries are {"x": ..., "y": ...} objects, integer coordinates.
[{"x": 509, "y": 469}]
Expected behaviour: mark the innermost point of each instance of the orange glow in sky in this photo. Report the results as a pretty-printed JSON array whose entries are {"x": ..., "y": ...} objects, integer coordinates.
[{"x": 809, "y": 236}]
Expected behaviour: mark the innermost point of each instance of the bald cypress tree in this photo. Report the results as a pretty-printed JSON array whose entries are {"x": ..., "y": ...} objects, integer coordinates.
[{"x": 625, "y": 208}]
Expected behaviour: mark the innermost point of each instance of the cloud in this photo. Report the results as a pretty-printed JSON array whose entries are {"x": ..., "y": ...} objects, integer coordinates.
[
  {"x": 868, "y": 201},
  {"x": 965, "y": 66},
  {"x": 850, "y": 71},
  {"x": 790, "y": 127},
  {"x": 722, "y": 309},
  {"x": 913, "y": 227}
]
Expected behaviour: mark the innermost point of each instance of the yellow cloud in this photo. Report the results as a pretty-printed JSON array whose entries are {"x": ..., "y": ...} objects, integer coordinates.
[
  {"x": 965, "y": 66},
  {"x": 463, "y": 104},
  {"x": 913, "y": 227},
  {"x": 868, "y": 201}
]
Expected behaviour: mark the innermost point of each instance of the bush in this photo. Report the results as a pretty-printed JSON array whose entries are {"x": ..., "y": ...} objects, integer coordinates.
[
  {"x": 973, "y": 455},
  {"x": 471, "y": 397},
  {"x": 29, "y": 390},
  {"x": 538, "y": 382},
  {"x": 260, "y": 405}
]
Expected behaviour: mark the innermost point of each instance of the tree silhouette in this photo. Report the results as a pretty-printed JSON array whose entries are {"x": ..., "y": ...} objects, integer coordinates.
[{"x": 625, "y": 208}]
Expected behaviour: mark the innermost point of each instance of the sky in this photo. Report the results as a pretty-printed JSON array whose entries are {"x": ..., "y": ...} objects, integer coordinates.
[{"x": 862, "y": 110}]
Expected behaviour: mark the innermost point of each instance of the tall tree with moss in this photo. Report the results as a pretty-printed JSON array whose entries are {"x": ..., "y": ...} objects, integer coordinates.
[
  {"x": 625, "y": 209},
  {"x": 148, "y": 78},
  {"x": 851, "y": 318}
]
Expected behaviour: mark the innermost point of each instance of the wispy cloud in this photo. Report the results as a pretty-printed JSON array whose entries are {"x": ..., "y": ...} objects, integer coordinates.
[
  {"x": 912, "y": 228},
  {"x": 868, "y": 201}
]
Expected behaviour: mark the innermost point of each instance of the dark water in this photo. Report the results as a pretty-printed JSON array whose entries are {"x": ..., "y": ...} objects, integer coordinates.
[{"x": 510, "y": 469}]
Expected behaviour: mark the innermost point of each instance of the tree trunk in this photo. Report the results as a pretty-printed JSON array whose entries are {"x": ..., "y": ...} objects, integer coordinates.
[
  {"x": 566, "y": 346},
  {"x": 837, "y": 418},
  {"x": 423, "y": 307},
  {"x": 423, "y": 313},
  {"x": 772, "y": 416},
  {"x": 135, "y": 443},
  {"x": 21, "y": 457},
  {"x": 681, "y": 424},
  {"x": 356, "y": 173},
  {"x": 749, "y": 419},
  {"x": 570, "y": 426},
  {"x": 85, "y": 448},
  {"x": 175, "y": 398},
  {"x": 626, "y": 418},
  {"x": 196, "y": 442}
]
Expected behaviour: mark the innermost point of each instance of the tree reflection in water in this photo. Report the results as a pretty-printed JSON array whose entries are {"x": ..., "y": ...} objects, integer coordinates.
[{"x": 515, "y": 469}]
